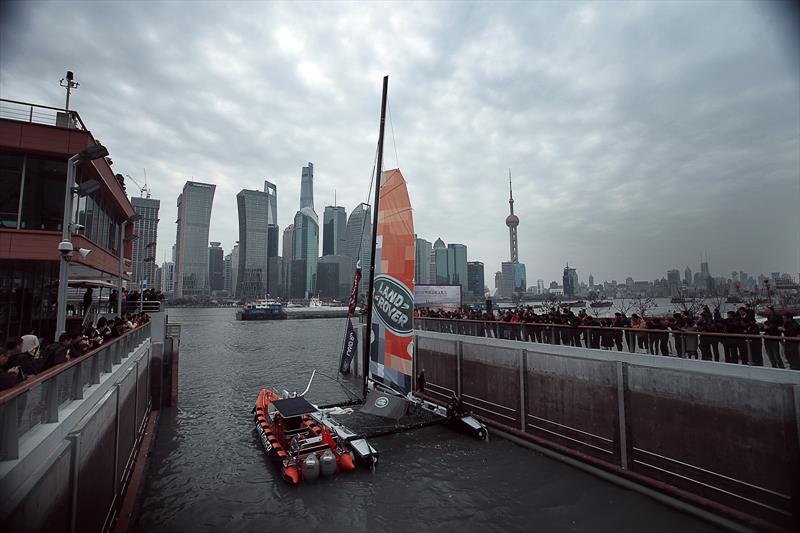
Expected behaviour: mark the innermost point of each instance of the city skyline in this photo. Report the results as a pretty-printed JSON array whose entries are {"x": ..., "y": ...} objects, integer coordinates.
[{"x": 657, "y": 157}]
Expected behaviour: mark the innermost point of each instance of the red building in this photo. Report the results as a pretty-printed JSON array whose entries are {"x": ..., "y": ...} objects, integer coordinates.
[{"x": 35, "y": 144}]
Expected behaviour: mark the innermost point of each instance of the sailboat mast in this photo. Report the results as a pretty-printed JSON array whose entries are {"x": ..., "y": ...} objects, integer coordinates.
[{"x": 375, "y": 207}]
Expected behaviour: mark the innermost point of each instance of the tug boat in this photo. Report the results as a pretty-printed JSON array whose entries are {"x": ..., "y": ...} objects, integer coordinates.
[{"x": 303, "y": 446}]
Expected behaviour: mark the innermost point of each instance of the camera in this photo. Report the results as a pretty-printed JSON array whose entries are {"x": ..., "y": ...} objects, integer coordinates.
[
  {"x": 76, "y": 228},
  {"x": 65, "y": 249}
]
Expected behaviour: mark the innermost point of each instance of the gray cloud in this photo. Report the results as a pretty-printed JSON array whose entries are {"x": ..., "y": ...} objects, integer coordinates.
[{"x": 640, "y": 135}]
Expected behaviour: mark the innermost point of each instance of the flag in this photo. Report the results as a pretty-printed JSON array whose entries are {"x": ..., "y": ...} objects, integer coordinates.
[
  {"x": 350, "y": 348},
  {"x": 351, "y": 308}
]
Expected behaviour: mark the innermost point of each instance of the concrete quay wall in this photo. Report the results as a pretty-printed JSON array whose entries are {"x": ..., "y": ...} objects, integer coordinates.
[{"x": 723, "y": 437}]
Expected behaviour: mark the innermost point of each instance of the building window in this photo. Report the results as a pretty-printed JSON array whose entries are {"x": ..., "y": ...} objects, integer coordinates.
[
  {"x": 10, "y": 178},
  {"x": 43, "y": 198}
]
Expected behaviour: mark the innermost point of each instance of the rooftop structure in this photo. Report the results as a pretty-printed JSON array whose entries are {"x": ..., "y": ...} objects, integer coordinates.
[{"x": 36, "y": 142}]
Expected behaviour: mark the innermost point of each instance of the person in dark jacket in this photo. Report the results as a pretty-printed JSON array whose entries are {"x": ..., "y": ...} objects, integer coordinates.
[
  {"x": 730, "y": 344},
  {"x": 791, "y": 346},
  {"x": 9, "y": 375},
  {"x": 24, "y": 353},
  {"x": 58, "y": 352},
  {"x": 772, "y": 328}
]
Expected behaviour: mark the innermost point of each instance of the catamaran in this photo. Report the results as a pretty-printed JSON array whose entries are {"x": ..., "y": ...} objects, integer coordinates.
[{"x": 308, "y": 441}]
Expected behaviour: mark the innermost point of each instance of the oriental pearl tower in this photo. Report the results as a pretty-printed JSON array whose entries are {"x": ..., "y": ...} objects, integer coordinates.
[{"x": 512, "y": 221}]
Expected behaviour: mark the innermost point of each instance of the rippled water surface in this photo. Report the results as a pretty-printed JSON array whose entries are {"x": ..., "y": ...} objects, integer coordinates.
[{"x": 209, "y": 473}]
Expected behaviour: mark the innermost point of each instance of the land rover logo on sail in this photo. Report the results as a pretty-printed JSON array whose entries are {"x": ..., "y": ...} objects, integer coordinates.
[
  {"x": 381, "y": 402},
  {"x": 394, "y": 304}
]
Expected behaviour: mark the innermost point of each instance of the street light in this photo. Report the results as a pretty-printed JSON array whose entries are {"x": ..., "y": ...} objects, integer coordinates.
[
  {"x": 133, "y": 218},
  {"x": 65, "y": 248}
]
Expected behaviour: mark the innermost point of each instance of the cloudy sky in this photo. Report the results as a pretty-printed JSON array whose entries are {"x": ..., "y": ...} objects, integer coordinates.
[{"x": 640, "y": 135}]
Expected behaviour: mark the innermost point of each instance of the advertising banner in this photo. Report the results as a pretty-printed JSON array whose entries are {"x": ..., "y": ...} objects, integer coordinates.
[{"x": 437, "y": 296}]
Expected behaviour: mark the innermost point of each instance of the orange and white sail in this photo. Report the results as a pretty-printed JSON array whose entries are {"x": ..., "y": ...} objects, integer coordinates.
[{"x": 392, "y": 348}]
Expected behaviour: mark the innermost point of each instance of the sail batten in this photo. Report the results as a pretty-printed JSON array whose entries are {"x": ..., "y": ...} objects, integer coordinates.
[{"x": 391, "y": 351}]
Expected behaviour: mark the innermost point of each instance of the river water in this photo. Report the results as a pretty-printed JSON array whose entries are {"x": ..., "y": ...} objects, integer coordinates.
[{"x": 209, "y": 473}]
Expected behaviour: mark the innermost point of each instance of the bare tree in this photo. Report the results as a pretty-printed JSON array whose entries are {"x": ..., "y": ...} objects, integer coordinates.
[
  {"x": 624, "y": 305},
  {"x": 643, "y": 304},
  {"x": 688, "y": 303},
  {"x": 550, "y": 301},
  {"x": 718, "y": 300}
]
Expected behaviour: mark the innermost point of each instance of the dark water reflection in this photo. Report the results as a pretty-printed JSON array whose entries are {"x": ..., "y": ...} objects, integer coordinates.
[{"x": 209, "y": 472}]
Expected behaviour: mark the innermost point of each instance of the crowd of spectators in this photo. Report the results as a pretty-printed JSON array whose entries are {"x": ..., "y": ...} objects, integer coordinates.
[
  {"x": 691, "y": 336},
  {"x": 24, "y": 356}
]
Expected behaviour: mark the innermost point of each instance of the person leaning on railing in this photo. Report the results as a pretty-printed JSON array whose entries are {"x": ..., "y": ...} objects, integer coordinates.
[
  {"x": 791, "y": 343},
  {"x": 9, "y": 375}
]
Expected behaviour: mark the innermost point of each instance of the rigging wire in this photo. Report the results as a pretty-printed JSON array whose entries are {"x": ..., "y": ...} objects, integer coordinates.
[
  {"x": 358, "y": 254},
  {"x": 391, "y": 126}
]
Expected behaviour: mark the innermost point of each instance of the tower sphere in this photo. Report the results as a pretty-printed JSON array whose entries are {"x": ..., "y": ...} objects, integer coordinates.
[{"x": 512, "y": 221}]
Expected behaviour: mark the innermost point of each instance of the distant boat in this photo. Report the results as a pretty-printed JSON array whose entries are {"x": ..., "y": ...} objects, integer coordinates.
[
  {"x": 677, "y": 300},
  {"x": 734, "y": 300},
  {"x": 601, "y": 304},
  {"x": 579, "y": 303},
  {"x": 261, "y": 310}
]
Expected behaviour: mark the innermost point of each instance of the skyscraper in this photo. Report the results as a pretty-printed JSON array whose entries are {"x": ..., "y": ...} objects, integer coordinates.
[
  {"x": 216, "y": 268},
  {"x": 334, "y": 230},
  {"x": 307, "y": 187},
  {"x": 422, "y": 259},
  {"x": 288, "y": 251},
  {"x": 359, "y": 237},
  {"x": 674, "y": 282},
  {"x": 144, "y": 248},
  {"x": 570, "y": 280},
  {"x": 234, "y": 268},
  {"x": 226, "y": 274},
  {"x": 253, "y": 236},
  {"x": 514, "y": 279},
  {"x": 687, "y": 276},
  {"x": 457, "y": 265},
  {"x": 334, "y": 276},
  {"x": 271, "y": 190},
  {"x": 475, "y": 279},
  {"x": 305, "y": 253},
  {"x": 439, "y": 273},
  {"x": 168, "y": 277},
  {"x": 191, "y": 245}
]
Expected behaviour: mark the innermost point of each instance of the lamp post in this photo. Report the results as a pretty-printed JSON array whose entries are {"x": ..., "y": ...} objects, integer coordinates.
[
  {"x": 131, "y": 220},
  {"x": 65, "y": 247}
]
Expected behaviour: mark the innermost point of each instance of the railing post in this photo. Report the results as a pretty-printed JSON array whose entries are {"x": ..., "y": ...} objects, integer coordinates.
[
  {"x": 94, "y": 369},
  {"x": 51, "y": 399},
  {"x": 523, "y": 358},
  {"x": 749, "y": 351},
  {"x": 107, "y": 359},
  {"x": 459, "y": 357},
  {"x": 9, "y": 439},
  {"x": 76, "y": 387},
  {"x": 116, "y": 352},
  {"x": 622, "y": 387}
]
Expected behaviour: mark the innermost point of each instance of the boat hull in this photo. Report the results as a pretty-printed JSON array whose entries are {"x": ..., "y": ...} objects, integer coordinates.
[{"x": 297, "y": 463}]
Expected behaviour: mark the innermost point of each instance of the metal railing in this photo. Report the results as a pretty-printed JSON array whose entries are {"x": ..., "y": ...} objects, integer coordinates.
[
  {"x": 40, "y": 114},
  {"x": 756, "y": 350},
  {"x": 40, "y": 398}
]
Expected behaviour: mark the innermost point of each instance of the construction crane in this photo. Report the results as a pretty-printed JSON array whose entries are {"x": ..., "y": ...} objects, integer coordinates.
[{"x": 142, "y": 189}]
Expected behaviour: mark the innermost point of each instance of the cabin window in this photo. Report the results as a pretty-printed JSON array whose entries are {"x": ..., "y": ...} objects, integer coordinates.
[
  {"x": 10, "y": 179},
  {"x": 43, "y": 196}
]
